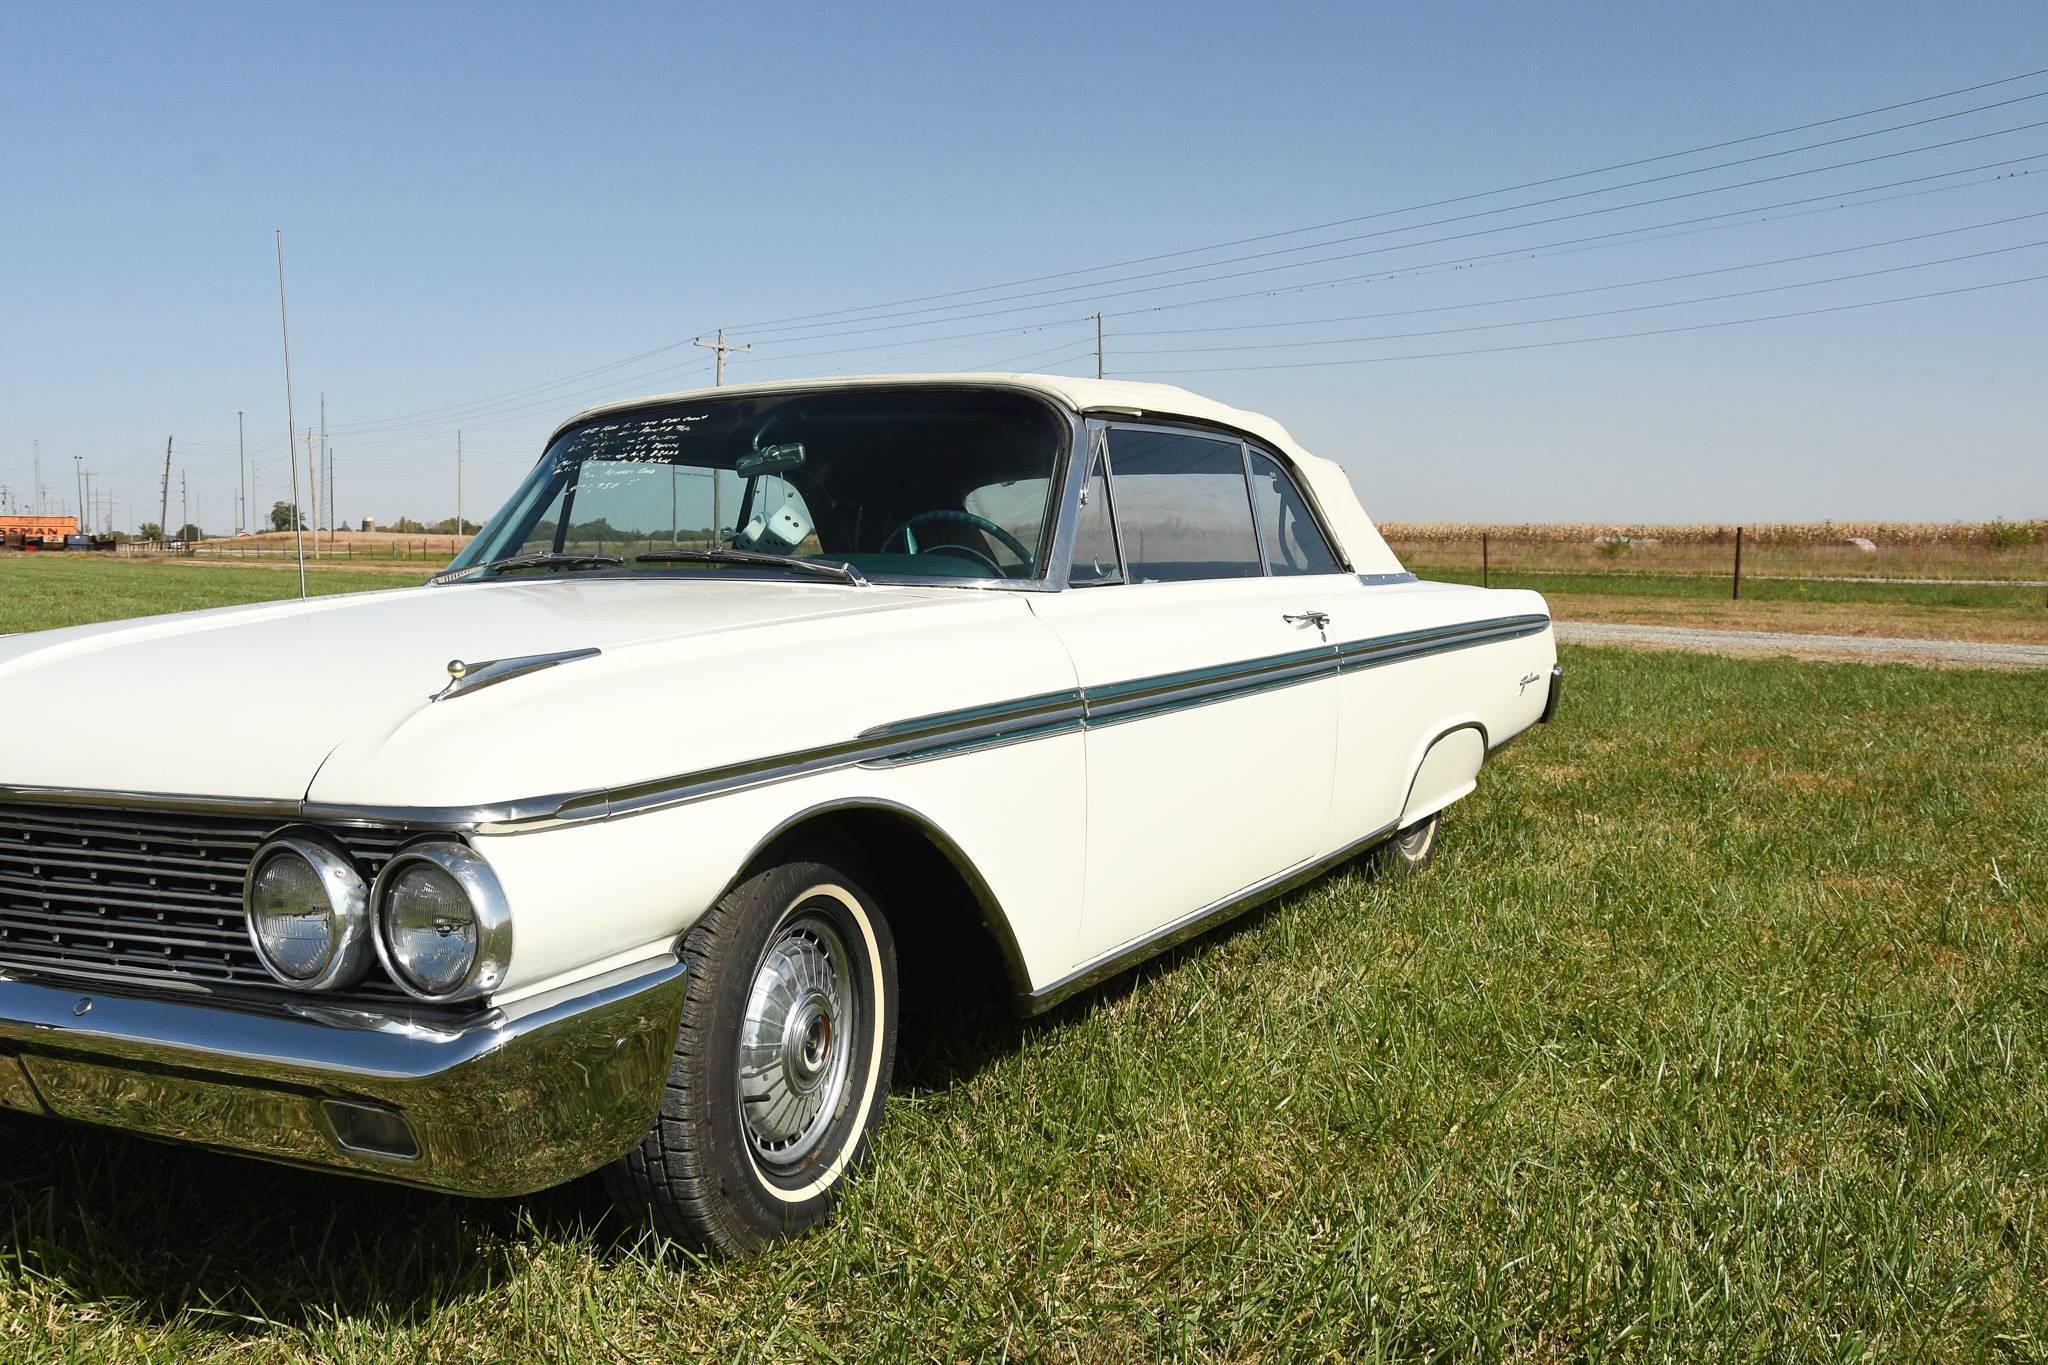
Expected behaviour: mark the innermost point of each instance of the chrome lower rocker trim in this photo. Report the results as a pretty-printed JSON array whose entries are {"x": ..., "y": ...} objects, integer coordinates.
[
  {"x": 501, "y": 1102},
  {"x": 1193, "y": 926}
]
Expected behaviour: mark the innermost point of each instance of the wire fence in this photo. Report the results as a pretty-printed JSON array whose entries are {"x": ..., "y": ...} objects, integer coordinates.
[{"x": 1734, "y": 555}]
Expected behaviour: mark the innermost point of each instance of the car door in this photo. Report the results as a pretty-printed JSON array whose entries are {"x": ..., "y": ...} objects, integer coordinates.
[{"x": 1210, "y": 686}]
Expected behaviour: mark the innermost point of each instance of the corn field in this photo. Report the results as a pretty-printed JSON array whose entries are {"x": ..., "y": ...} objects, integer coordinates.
[{"x": 1996, "y": 551}]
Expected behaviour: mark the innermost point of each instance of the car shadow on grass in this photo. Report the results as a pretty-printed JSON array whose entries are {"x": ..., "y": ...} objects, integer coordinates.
[
  {"x": 957, "y": 1023},
  {"x": 170, "y": 1233}
]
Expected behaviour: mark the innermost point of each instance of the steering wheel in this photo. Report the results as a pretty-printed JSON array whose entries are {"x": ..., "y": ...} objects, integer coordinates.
[{"x": 908, "y": 531}]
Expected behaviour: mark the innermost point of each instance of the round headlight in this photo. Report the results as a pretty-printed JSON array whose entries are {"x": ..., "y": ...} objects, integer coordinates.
[
  {"x": 442, "y": 926},
  {"x": 308, "y": 913}
]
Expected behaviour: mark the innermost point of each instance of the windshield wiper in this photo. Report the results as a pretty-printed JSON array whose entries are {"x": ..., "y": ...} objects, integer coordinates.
[
  {"x": 845, "y": 573},
  {"x": 541, "y": 560}
]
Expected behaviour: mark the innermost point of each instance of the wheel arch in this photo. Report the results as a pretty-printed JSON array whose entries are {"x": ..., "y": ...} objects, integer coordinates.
[
  {"x": 1446, "y": 769},
  {"x": 910, "y": 857}
]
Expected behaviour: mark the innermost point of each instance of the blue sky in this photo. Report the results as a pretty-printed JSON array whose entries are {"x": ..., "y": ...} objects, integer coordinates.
[{"x": 480, "y": 200}]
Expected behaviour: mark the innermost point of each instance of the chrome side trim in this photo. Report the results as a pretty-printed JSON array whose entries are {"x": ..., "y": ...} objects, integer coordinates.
[
  {"x": 1414, "y": 644},
  {"x": 503, "y": 1102},
  {"x": 210, "y": 805},
  {"x": 1152, "y": 696},
  {"x": 1379, "y": 580},
  {"x": 919, "y": 739},
  {"x": 1195, "y": 924}
]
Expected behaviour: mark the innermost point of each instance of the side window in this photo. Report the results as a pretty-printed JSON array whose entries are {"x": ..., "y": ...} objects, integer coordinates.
[
  {"x": 1286, "y": 526},
  {"x": 1095, "y": 560},
  {"x": 1183, "y": 506}
]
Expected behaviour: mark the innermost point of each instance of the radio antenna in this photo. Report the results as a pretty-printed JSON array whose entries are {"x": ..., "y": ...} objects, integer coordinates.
[{"x": 291, "y": 420}]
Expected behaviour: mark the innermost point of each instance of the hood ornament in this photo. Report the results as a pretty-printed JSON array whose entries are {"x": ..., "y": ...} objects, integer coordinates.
[{"x": 471, "y": 677}]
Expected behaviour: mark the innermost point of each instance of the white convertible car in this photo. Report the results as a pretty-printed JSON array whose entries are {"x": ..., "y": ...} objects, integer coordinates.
[{"x": 754, "y": 690}]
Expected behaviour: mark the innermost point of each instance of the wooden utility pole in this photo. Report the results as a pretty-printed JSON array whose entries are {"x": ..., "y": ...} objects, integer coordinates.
[
  {"x": 1098, "y": 345},
  {"x": 242, "y": 480},
  {"x": 164, "y": 514},
  {"x": 184, "y": 505},
  {"x": 719, "y": 348},
  {"x": 1738, "y": 565},
  {"x": 458, "y": 481}
]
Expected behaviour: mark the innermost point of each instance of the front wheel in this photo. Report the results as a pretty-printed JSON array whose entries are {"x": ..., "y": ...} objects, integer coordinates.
[{"x": 782, "y": 1062}]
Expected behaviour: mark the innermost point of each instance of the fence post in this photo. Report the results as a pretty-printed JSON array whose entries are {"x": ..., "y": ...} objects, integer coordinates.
[
  {"x": 1485, "y": 563},
  {"x": 1738, "y": 565}
]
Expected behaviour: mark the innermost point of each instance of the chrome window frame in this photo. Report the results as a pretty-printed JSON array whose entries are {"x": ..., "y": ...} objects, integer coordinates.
[
  {"x": 1096, "y": 432},
  {"x": 1102, "y": 428},
  {"x": 1315, "y": 513}
]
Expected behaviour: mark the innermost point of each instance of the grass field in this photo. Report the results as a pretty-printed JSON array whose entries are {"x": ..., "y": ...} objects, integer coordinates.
[
  {"x": 1716, "y": 1030},
  {"x": 44, "y": 591},
  {"x": 1962, "y": 611}
]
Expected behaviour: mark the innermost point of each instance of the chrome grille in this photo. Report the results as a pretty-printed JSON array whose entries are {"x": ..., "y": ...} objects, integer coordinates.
[{"x": 143, "y": 896}]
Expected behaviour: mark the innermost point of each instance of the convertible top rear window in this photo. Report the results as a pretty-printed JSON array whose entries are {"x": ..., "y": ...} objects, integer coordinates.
[{"x": 929, "y": 482}]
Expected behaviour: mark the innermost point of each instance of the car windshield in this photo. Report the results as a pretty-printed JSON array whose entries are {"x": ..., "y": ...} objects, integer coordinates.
[{"x": 917, "y": 482}]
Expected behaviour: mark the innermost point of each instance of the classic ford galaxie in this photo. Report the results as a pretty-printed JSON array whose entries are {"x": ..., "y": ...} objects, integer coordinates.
[{"x": 757, "y": 692}]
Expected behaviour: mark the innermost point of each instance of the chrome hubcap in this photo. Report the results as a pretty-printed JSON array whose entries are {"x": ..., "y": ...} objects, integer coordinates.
[{"x": 793, "y": 1054}]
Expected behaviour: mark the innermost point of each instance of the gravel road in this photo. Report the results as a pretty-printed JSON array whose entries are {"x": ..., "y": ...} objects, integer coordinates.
[{"x": 1879, "y": 648}]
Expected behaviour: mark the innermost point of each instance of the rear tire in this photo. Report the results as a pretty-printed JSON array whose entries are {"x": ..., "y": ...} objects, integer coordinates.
[
  {"x": 1409, "y": 851},
  {"x": 782, "y": 1063}
]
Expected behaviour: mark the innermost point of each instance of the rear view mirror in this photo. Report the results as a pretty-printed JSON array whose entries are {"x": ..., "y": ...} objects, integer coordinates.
[{"x": 770, "y": 460}]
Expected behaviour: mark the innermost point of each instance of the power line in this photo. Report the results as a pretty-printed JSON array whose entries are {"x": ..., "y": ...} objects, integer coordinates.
[
  {"x": 1557, "y": 293},
  {"x": 1614, "y": 336},
  {"x": 1603, "y": 312},
  {"x": 1412, "y": 208},
  {"x": 1601, "y": 238},
  {"x": 471, "y": 407},
  {"x": 1526, "y": 204},
  {"x": 1404, "y": 246}
]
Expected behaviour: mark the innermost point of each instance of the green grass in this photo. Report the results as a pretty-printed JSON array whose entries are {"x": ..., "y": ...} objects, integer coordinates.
[
  {"x": 1717, "y": 1029},
  {"x": 44, "y": 591},
  {"x": 1622, "y": 582}
]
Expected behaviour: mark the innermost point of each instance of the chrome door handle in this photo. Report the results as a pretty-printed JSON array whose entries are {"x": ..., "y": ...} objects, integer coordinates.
[{"x": 1319, "y": 619}]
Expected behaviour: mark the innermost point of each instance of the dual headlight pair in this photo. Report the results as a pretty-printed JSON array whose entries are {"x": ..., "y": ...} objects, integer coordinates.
[{"x": 435, "y": 917}]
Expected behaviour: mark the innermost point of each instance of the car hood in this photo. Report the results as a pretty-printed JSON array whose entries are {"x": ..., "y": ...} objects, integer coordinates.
[{"x": 248, "y": 702}]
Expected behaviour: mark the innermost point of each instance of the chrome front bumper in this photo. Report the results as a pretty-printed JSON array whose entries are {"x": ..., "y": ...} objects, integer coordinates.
[{"x": 508, "y": 1101}]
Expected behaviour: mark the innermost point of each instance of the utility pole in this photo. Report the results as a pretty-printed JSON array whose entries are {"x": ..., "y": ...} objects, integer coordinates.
[
  {"x": 458, "y": 481},
  {"x": 184, "y": 505},
  {"x": 163, "y": 532},
  {"x": 313, "y": 490},
  {"x": 316, "y": 478},
  {"x": 290, "y": 431},
  {"x": 333, "y": 522},
  {"x": 242, "y": 482},
  {"x": 1098, "y": 345},
  {"x": 78, "y": 473},
  {"x": 719, "y": 348}
]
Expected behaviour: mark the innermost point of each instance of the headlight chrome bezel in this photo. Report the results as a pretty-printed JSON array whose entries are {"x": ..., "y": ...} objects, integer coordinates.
[
  {"x": 487, "y": 905},
  {"x": 348, "y": 900}
]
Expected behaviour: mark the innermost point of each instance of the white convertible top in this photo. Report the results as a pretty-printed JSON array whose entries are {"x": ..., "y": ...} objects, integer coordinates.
[{"x": 1358, "y": 539}]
